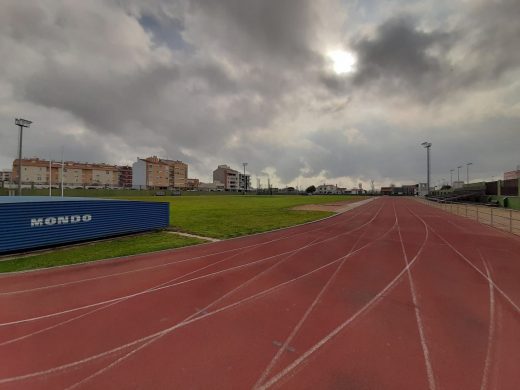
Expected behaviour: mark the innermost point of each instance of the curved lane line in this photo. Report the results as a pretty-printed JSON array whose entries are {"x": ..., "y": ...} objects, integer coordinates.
[{"x": 347, "y": 322}]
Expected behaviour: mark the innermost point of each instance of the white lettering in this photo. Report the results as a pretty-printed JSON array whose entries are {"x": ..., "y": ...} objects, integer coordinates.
[
  {"x": 50, "y": 221},
  {"x": 36, "y": 222},
  {"x": 62, "y": 220},
  {"x": 75, "y": 219}
]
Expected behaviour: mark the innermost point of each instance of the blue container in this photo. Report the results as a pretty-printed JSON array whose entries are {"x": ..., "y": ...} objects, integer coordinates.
[{"x": 32, "y": 221}]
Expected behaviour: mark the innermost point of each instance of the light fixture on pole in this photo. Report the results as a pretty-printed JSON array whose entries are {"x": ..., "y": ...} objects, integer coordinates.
[
  {"x": 467, "y": 171},
  {"x": 451, "y": 177},
  {"x": 458, "y": 172},
  {"x": 245, "y": 178},
  {"x": 427, "y": 145},
  {"x": 22, "y": 123}
]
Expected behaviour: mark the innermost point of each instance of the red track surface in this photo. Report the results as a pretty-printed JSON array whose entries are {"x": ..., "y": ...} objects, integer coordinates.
[{"x": 391, "y": 295}]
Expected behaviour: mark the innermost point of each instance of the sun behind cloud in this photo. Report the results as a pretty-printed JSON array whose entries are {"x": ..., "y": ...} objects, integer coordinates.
[{"x": 342, "y": 61}]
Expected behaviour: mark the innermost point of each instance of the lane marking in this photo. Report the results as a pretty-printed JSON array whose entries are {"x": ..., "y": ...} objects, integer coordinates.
[
  {"x": 307, "y": 313},
  {"x": 347, "y": 322},
  {"x": 59, "y": 285},
  {"x": 504, "y": 295},
  {"x": 491, "y": 331},
  {"x": 162, "y": 286},
  {"x": 179, "y": 325},
  {"x": 418, "y": 318}
]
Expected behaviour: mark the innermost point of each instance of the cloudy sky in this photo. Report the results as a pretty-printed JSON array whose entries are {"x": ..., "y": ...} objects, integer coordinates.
[{"x": 305, "y": 91}]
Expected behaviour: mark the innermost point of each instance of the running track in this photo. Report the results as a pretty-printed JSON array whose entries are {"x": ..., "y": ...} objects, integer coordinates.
[{"x": 393, "y": 294}]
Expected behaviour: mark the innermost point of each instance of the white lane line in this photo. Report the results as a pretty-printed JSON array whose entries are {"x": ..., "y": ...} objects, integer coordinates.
[
  {"x": 161, "y": 287},
  {"x": 59, "y": 285},
  {"x": 497, "y": 288},
  {"x": 418, "y": 318},
  {"x": 10, "y": 341},
  {"x": 309, "y": 310},
  {"x": 179, "y": 325},
  {"x": 338, "y": 329},
  {"x": 491, "y": 331}
]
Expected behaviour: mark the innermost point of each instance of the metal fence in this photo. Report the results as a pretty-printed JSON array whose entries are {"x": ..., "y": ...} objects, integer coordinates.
[{"x": 501, "y": 218}]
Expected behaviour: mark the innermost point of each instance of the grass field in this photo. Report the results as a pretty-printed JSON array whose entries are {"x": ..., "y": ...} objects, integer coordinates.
[
  {"x": 117, "y": 247},
  {"x": 214, "y": 216},
  {"x": 232, "y": 216}
]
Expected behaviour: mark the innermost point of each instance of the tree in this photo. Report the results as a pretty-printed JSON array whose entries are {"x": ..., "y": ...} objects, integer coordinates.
[{"x": 310, "y": 190}]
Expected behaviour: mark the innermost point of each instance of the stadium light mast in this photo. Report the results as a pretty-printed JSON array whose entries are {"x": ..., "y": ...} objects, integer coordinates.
[
  {"x": 451, "y": 177},
  {"x": 467, "y": 171},
  {"x": 458, "y": 172},
  {"x": 245, "y": 178},
  {"x": 427, "y": 145},
  {"x": 22, "y": 123}
]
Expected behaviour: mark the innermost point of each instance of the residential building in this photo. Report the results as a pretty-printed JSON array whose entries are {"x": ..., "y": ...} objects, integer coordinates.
[
  {"x": 233, "y": 180},
  {"x": 6, "y": 175},
  {"x": 326, "y": 189},
  {"x": 157, "y": 173},
  {"x": 125, "y": 176},
  {"x": 36, "y": 171},
  {"x": 192, "y": 184}
]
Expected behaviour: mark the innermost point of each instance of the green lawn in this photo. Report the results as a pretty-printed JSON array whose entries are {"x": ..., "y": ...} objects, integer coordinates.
[
  {"x": 218, "y": 216},
  {"x": 122, "y": 246},
  {"x": 231, "y": 216}
]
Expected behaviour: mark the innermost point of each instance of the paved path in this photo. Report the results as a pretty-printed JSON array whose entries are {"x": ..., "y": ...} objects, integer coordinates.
[{"x": 394, "y": 294}]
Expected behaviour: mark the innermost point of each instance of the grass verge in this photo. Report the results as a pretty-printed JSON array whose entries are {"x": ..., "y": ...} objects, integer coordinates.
[
  {"x": 123, "y": 246},
  {"x": 233, "y": 216}
]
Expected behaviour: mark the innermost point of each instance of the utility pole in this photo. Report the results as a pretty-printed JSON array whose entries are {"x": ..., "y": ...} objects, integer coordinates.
[
  {"x": 451, "y": 177},
  {"x": 245, "y": 178},
  {"x": 21, "y": 123},
  {"x": 458, "y": 172},
  {"x": 427, "y": 145}
]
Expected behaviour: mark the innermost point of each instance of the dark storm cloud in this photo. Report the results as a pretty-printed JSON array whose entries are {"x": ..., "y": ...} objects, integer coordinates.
[
  {"x": 406, "y": 59},
  {"x": 400, "y": 57},
  {"x": 264, "y": 31},
  {"x": 107, "y": 102}
]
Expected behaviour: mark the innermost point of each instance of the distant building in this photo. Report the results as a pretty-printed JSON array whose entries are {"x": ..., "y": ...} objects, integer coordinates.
[
  {"x": 329, "y": 189},
  {"x": 36, "y": 171},
  {"x": 125, "y": 176},
  {"x": 512, "y": 174},
  {"x": 232, "y": 179},
  {"x": 154, "y": 172},
  {"x": 6, "y": 175},
  {"x": 192, "y": 184}
]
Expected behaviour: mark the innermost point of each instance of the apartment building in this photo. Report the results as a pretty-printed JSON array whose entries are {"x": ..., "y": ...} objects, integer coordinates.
[
  {"x": 157, "y": 173},
  {"x": 227, "y": 176},
  {"x": 125, "y": 176},
  {"x": 5, "y": 175},
  {"x": 192, "y": 184},
  {"x": 36, "y": 171}
]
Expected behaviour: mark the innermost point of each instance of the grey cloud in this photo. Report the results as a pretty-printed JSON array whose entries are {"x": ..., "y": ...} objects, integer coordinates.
[{"x": 400, "y": 58}]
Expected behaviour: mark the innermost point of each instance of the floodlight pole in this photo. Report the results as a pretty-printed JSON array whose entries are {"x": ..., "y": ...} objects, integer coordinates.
[
  {"x": 245, "y": 179},
  {"x": 458, "y": 172},
  {"x": 21, "y": 123},
  {"x": 467, "y": 171},
  {"x": 427, "y": 145},
  {"x": 451, "y": 177}
]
